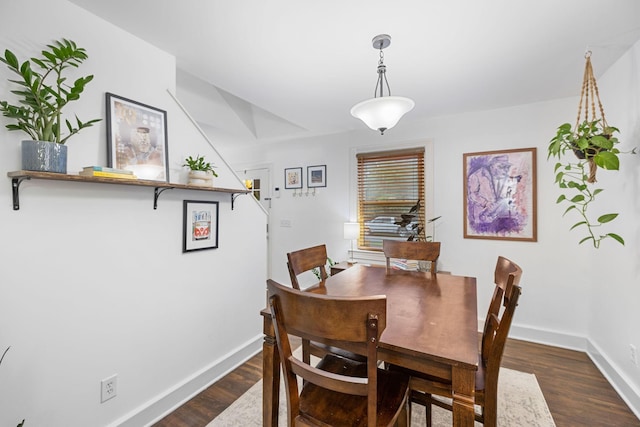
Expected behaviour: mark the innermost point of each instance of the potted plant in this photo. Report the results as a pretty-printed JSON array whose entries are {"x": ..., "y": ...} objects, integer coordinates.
[
  {"x": 42, "y": 94},
  {"x": 411, "y": 222},
  {"x": 592, "y": 144},
  {"x": 201, "y": 172}
]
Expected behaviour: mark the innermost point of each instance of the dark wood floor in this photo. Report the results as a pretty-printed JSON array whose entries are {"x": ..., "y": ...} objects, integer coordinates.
[{"x": 576, "y": 392}]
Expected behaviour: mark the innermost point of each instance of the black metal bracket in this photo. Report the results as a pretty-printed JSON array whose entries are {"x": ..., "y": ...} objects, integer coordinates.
[
  {"x": 234, "y": 196},
  {"x": 157, "y": 192},
  {"x": 15, "y": 189}
]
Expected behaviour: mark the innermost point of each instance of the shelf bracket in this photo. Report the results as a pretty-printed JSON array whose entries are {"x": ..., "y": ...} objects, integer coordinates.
[
  {"x": 156, "y": 193},
  {"x": 15, "y": 189},
  {"x": 234, "y": 196}
]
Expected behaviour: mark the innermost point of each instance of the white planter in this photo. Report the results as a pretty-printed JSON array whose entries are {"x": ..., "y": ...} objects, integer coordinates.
[{"x": 201, "y": 178}]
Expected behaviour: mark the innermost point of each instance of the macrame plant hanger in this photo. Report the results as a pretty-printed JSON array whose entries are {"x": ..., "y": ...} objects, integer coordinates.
[{"x": 590, "y": 89}]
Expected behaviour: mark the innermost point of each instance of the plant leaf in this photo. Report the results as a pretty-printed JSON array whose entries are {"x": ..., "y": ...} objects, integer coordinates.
[
  {"x": 616, "y": 237},
  {"x": 577, "y": 224},
  {"x": 607, "y": 218},
  {"x": 607, "y": 160}
]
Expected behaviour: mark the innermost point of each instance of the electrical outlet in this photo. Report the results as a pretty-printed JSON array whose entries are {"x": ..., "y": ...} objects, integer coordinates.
[
  {"x": 109, "y": 388},
  {"x": 633, "y": 354}
]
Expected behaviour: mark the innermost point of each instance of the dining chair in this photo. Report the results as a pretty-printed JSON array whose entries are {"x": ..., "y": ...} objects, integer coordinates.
[
  {"x": 496, "y": 329},
  {"x": 337, "y": 391},
  {"x": 418, "y": 251},
  {"x": 299, "y": 262},
  {"x": 307, "y": 259}
]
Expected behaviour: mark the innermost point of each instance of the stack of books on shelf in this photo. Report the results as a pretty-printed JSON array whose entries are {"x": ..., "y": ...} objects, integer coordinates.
[
  {"x": 403, "y": 264},
  {"x": 106, "y": 172}
]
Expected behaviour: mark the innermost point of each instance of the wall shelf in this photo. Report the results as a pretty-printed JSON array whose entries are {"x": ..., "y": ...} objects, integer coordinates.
[{"x": 18, "y": 177}]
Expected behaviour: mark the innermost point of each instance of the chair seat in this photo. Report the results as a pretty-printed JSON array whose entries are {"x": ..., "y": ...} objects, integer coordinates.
[
  {"x": 320, "y": 350},
  {"x": 344, "y": 409},
  {"x": 439, "y": 386}
]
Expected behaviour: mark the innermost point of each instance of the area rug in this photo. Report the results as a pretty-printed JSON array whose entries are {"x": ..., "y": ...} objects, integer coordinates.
[{"x": 520, "y": 404}]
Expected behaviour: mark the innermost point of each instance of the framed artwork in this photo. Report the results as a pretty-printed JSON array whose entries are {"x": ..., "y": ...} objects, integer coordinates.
[
  {"x": 500, "y": 195},
  {"x": 316, "y": 176},
  {"x": 200, "y": 225},
  {"x": 137, "y": 138},
  {"x": 292, "y": 178}
]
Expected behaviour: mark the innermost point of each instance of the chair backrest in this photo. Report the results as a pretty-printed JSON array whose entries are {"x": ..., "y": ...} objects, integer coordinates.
[
  {"x": 420, "y": 251},
  {"x": 498, "y": 322},
  {"x": 333, "y": 320},
  {"x": 305, "y": 260}
]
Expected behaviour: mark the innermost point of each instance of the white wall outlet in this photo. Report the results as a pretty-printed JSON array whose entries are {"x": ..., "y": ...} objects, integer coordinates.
[
  {"x": 285, "y": 223},
  {"x": 633, "y": 354},
  {"x": 108, "y": 388}
]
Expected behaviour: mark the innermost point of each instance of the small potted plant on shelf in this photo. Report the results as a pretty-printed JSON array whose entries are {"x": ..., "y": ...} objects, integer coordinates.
[
  {"x": 42, "y": 94},
  {"x": 201, "y": 172}
]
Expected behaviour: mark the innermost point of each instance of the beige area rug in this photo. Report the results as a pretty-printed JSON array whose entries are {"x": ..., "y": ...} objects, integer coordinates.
[{"x": 520, "y": 404}]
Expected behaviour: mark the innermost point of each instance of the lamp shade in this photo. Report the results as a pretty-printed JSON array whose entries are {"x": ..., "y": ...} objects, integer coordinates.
[
  {"x": 351, "y": 230},
  {"x": 382, "y": 113}
]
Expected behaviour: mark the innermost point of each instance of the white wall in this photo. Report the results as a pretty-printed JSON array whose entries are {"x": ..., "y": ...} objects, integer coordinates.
[
  {"x": 573, "y": 295},
  {"x": 93, "y": 280}
]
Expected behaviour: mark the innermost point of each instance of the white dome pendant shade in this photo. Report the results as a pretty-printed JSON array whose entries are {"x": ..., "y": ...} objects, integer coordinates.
[{"x": 382, "y": 112}]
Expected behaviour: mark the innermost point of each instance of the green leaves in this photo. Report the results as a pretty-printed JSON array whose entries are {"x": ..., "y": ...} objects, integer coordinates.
[
  {"x": 45, "y": 92},
  {"x": 591, "y": 141},
  {"x": 199, "y": 164}
]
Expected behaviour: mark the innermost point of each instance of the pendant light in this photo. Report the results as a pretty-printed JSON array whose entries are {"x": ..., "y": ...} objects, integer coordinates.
[{"x": 382, "y": 112}]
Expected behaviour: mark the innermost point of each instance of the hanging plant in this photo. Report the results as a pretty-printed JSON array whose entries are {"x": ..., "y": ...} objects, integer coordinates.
[{"x": 593, "y": 144}]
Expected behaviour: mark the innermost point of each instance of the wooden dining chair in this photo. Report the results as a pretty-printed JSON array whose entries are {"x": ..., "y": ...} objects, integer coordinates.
[
  {"x": 496, "y": 329},
  {"x": 337, "y": 391},
  {"x": 299, "y": 262},
  {"x": 417, "y": 251},
  {"x": 307, "y": 259}
]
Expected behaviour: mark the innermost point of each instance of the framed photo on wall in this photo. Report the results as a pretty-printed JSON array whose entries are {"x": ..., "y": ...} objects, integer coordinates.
[
  {"x": 137, "y": 138},
  {"x": 500, "y": 195},
  {"x": 200, "y": 225},
  {"x": 316, "y": 176},
  {"x": 292, "y": 178}
]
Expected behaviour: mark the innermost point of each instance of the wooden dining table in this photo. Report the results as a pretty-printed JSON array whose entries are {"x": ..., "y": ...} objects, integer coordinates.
[{"x": 432, "y": 327}]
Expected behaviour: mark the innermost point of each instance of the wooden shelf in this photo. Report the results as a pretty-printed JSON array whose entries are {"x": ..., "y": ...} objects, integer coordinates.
[{"x": 17, "y": 177}]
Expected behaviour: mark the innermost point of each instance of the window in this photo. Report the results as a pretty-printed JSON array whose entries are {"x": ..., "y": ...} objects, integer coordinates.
[{"x": 389, "y": 185}]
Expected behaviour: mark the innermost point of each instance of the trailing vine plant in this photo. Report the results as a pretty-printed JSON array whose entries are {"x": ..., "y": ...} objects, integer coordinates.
[{"x": 593, "y": 144}]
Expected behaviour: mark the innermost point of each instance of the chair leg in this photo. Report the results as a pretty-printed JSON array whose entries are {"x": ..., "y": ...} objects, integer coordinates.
[
  {"x": 404, "y": 417},
  {"x": 427, "y": 410}
]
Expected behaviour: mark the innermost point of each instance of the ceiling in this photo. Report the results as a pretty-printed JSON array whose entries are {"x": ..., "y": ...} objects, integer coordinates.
[{"x": 266, "y": 70}]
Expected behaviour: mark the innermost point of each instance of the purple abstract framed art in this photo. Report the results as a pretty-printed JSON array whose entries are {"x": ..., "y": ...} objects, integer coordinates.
[{"x": 500, "y": 195}]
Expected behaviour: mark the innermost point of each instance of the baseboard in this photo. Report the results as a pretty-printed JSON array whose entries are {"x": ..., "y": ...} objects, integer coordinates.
[
  {"x": 609, "y": 370},
  {"x": 165, "y": 403},
  {"x": 626, "y": 391}
]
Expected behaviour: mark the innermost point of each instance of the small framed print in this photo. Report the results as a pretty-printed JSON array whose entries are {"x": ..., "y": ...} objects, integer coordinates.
[
  {"x": 200, "y": 225},
  {"x": 137, "y": 138},
  {"x": 316, "y": 176},
  {"x": 292, "y": 178}
]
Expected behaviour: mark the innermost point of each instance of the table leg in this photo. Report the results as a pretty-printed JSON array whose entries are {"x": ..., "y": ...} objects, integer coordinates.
[
  {"x": 463, "y": 385},
  {"x": 271, "y": 376}
]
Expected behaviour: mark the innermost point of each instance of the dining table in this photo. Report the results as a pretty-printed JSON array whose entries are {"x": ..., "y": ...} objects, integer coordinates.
[{"x": 432, "y": 327}]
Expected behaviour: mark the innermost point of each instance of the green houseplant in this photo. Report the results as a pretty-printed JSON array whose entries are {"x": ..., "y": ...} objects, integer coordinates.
[
  {"x": 42, "y": 94},
  {"x": 411, "y": 222},
  {"x": 201, "y": 172},
  {"x": 590, "y": 144}
]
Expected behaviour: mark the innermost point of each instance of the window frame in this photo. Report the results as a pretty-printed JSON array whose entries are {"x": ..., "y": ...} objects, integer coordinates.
[{"x": 367, "y": 253}]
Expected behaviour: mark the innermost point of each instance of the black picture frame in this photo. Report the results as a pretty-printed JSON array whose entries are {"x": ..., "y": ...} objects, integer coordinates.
[
  {"x": 292, "y": 178},
  {"x": 316, "y": 176},
  {"x": 199, "y": 225},
  {"x": 137, "y": 138}
]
